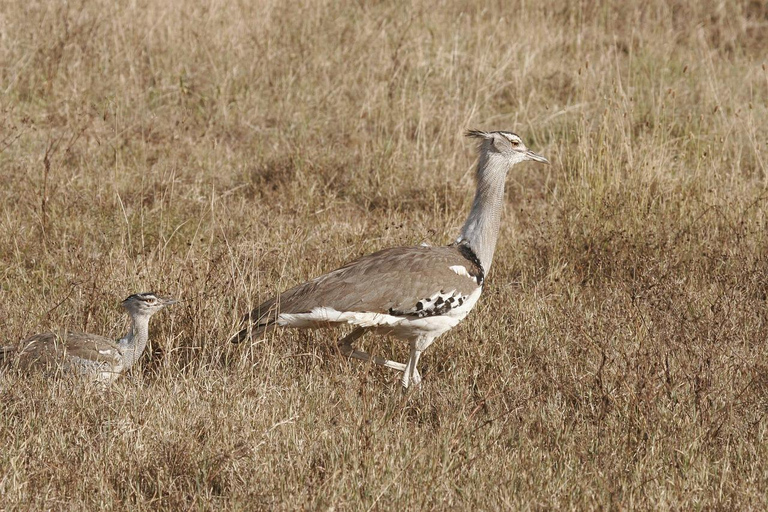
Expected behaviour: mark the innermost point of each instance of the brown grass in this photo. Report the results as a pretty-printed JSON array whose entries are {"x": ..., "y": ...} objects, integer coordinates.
[{"x": 222, "y": 151}]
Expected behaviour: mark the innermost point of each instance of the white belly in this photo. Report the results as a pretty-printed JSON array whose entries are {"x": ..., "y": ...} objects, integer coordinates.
[{"x": 401, "y": 327}]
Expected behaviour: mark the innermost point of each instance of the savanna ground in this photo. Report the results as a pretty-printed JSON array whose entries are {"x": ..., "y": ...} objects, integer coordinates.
[{"x": 222, "y": 151}]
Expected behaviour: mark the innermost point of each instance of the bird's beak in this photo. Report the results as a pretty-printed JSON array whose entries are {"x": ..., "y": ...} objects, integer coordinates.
[
  {"x": 167, "y": 301},
  {"x": 536, "y": 157}
]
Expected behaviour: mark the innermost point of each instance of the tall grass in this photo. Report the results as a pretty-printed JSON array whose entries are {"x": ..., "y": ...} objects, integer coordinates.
[{"x": 223, "y": 151}]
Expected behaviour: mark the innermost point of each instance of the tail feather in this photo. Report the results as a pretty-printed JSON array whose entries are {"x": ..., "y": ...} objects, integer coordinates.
[
  {"x": 257, "y": 321},
  {"x": 250, "y": 331},
  {"x": 266, "y": 314}
]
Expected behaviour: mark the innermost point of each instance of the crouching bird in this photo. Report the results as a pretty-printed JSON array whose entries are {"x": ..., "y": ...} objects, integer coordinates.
[
  {"x": 89, "y": 355},
  {"x": 413, "y": 293}
]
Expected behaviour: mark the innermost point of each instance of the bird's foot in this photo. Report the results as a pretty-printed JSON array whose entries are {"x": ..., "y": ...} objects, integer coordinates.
[{"x": 411, "y": 380}]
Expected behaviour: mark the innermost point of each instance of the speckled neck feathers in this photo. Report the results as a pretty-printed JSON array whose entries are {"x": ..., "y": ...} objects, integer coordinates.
[
  {"x": 481, "y": 229},
  {"x": 132, "y": 345}
]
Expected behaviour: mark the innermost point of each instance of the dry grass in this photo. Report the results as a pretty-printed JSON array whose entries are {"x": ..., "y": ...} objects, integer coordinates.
[{"x": 221, "y": 151}]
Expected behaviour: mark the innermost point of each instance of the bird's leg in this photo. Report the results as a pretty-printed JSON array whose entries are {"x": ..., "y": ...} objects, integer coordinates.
[
  {"x": 411, "y": 375},
  {"x": 345, "y": 345}
]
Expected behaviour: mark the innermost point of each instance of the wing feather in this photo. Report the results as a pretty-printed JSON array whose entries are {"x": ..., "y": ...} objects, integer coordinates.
[
  {"x": 391, "y": 281},
  {"x": 50, "y": 348}
]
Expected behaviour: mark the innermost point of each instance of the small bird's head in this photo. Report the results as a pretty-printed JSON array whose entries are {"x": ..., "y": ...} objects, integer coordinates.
[
  {"x": 505, "y": 145},
  {"x": 146, "y": 303}
]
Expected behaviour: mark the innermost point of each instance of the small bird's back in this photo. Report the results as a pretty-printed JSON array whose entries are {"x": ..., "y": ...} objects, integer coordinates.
[{"x": 80, "y": 353}]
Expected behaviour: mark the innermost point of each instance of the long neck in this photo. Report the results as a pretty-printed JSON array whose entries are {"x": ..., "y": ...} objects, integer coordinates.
[
  {"x": 481, "y": 230},
  {"x": 134, "y": 343}
]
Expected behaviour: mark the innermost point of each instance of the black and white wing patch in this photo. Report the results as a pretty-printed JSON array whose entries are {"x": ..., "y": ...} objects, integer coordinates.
[{"x": 440, "y": 303}]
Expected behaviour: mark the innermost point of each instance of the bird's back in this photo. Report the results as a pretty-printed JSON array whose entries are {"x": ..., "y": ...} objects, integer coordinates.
[
  {"x": 82, "y": 353},
  {"x": 392, "y": 282}
]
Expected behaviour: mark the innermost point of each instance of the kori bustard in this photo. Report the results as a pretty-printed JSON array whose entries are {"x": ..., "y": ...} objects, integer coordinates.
[
  {"x": 413, "y": 293},
  {"x": 92, "y": 356}
]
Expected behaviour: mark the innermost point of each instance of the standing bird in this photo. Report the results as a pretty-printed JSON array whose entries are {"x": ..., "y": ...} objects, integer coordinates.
[
  {"x": 96, "y": 357},
  {"x": 413, "y": 293}
]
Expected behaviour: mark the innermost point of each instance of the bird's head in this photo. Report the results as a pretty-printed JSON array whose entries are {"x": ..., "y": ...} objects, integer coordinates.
[
  {"x": 506, "y": 147},
  {"x": 146, "y": 303}
]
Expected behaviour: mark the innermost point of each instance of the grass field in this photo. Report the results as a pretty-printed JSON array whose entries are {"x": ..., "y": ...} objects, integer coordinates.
[{"x": 221, "y": 151}]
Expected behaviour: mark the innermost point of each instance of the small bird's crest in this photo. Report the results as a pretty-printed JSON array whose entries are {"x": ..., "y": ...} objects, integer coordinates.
[{"x": 144, "y": 297}]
